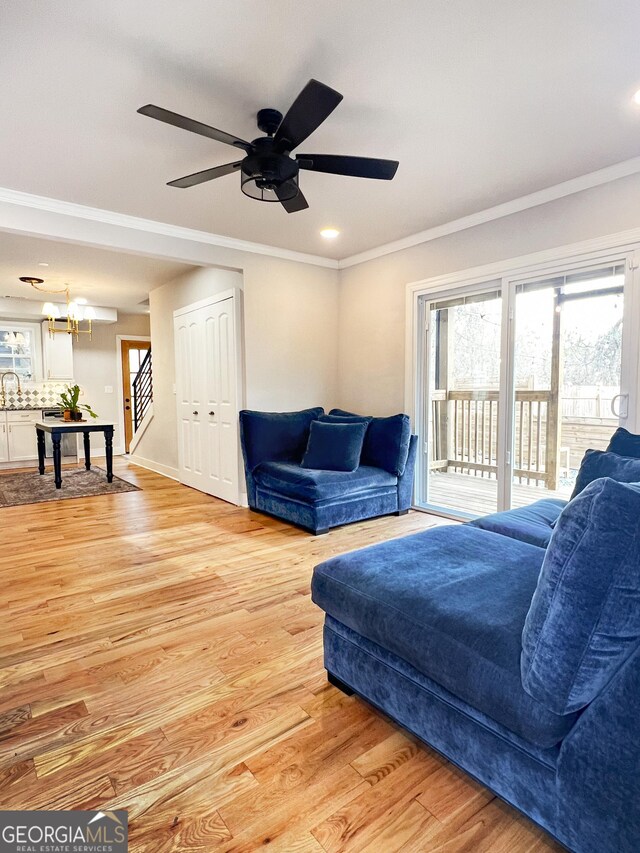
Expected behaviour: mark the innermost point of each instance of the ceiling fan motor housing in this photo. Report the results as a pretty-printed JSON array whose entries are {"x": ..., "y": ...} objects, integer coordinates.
[{"x": 266, "y": 169}]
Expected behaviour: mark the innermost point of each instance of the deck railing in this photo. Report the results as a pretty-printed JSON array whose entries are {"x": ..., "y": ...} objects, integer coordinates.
[{"x": 464, "y": 434}]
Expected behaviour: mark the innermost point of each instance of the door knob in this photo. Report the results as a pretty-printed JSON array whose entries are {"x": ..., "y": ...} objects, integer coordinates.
[
  {"x": 212, "y": 413},
  {"x": 127, "y": 408},
  {"x": 195, "y": 413}
]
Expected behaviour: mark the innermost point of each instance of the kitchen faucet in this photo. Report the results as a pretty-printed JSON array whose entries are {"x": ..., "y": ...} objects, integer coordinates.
[{"x": 3, "y": 394}]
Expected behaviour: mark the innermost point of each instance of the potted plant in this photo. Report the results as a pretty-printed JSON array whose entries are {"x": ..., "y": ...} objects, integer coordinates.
[{"x": 69, "y": 402}]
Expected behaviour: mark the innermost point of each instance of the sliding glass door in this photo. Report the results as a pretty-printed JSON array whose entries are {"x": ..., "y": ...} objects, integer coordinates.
[
  {"x": 462, "y": 422},
  {"x": 567, "y": 374},
  {"x": 518, "y": 377}
]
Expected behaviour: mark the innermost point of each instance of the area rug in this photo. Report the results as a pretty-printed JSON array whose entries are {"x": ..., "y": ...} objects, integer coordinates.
[{"x": 33, "y": 488}]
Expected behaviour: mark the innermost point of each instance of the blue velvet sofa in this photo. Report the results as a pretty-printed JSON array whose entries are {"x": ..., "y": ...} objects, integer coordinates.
[
  {"x": 273, "y": 446},
  {"x": 512, "y": 646}
]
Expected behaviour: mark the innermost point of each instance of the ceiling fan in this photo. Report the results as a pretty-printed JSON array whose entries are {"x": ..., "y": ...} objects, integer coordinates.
[{"x": 268, "y": 172}]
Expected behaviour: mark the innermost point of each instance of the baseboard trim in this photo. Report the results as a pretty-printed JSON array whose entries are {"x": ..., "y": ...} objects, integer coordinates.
[{"x": 156, "y": 467}]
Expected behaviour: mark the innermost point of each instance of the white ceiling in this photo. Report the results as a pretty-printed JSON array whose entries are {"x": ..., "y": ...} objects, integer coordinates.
[
  {"x": 481, "y": 102},
  {"x": 104, "y": 278}
]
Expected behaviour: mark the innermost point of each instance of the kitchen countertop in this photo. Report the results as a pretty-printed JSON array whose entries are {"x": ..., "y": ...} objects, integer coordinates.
[{"x": 29, "y": 409}]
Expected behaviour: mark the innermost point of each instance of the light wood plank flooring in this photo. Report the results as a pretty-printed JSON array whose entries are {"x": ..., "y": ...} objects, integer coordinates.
[{"x": 159, "y": 652}]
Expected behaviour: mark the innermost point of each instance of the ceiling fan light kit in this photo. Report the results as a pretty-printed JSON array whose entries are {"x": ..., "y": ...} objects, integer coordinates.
[{"x": 268, "y": 172}]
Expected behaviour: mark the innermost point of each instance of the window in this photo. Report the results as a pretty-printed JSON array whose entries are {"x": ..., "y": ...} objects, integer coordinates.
[{"x": 20, "y": 349}]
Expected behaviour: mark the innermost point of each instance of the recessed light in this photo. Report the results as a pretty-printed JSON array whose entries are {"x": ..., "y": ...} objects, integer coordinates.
[
  {"x": 42, "y": 264},
  {"x": 636, "y": 98},
  {"x": 329, "y": 233}
]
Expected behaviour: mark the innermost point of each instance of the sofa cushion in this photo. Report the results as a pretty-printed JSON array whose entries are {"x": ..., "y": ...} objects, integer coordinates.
[
  {"x": 275, "y": 436},
  {"x": 451, "y": 602},
  {"x": 310, "y": 485},
  {"x": 345, "y": 419},
  {"x": 599, "y": 463},
  {"x": 334, "y": 447},
  {"x": 625, "y": 443},
  {"x": 532, "y": 524},
  {"x": 584, "y": 619},
  {"x": 386, "y": 444}
]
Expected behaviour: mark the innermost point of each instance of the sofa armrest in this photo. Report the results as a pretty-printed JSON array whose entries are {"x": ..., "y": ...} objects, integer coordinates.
[
  {"x": 599, "y": 768},
  {"x": 273, "y": 437},
  {"x": 405, "y": 482}
]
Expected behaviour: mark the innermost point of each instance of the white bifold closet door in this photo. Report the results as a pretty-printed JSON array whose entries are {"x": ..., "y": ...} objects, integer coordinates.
[{"x": 207, "y": 397}]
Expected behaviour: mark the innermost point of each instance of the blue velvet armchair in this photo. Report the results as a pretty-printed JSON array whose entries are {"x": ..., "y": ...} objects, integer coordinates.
[{"x": 273, "y": 446}]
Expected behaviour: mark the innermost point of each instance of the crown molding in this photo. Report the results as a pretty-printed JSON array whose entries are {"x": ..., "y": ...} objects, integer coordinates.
[
  {"x": 151, "y": 226},
  {"x": 205, "y": 238},
  {"x": 575, "y": 185}
]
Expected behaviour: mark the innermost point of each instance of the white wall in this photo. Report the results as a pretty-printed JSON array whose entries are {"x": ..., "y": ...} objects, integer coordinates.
[
  {"x": 372, "y": 294},
  {"x": 290, "y": 341},
  {"x": 95, "y": 366}
]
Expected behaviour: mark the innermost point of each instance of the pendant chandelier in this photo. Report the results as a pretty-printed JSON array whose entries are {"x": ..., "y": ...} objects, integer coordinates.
[{"x": 75, "y": 314}]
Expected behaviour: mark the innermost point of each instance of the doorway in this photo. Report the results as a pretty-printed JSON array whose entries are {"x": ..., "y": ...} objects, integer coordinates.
[{"x": 132, "y": 353}]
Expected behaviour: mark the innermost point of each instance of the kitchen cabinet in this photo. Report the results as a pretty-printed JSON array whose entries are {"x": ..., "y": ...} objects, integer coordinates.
[
  {"x": 21, "y": 435},
  {"x": 4, "y": 438},
  {"x": 57, "y": 354}
]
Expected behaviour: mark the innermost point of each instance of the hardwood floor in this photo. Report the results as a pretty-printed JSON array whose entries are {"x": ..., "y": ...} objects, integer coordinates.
[{"x": 160, "y": 653}]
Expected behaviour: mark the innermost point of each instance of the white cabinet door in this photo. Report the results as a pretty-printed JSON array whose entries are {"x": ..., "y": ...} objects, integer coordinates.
[
  {"x": 188, "y": 332},
  {"x": 22, "y": 441},
  {"x": 57, "y": 354},
  {"x": 4, "y": 438},
  {"x": 221, "y": 406},
  {"x": 206, "y": 391}
]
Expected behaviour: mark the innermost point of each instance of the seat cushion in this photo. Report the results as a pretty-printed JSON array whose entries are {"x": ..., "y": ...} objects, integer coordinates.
[
  {"x": 311, "y": 486},
  {"x": 334, "y": 447},
  {"x": 601, "y": 463},
  {"x": 532, "y": 524},
  {"x": 386, "y": 444},
  {"x": 584, "y": 619},
  {"x": 625, "y": 443},
  {"x": 451, "y": 602}
]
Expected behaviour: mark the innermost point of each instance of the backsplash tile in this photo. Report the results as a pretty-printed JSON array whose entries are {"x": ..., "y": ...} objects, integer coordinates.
[{"x": 35, "y": 395}]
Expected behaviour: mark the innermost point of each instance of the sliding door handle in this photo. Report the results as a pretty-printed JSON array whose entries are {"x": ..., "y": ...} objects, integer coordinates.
[{"x": 623, "y": 411}]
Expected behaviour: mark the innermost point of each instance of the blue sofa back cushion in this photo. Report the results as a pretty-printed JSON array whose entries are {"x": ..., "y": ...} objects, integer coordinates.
[
  {"x": 624, "y": 443},
  {"x": 334, "y": 447},
  {"x": 386, "y": 444},
  {"x": 584, "y": 619},
  {"x": 345, "y": 419},
  {"x": 601, "y": 463},
  {"x": 275, "y": 436}
]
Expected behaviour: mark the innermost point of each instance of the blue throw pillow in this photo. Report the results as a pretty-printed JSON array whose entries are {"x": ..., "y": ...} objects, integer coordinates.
[
  {"x": 386, "y": 444},
  {"x": 625, "y": 443},
  {"x": 601, "y": 463},
  {"x": 584, "y": 619},
  {"x": 334, "y": 447},
  {"x": 345, "y": 419}
]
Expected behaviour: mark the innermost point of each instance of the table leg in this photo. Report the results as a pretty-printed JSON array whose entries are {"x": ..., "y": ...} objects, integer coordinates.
[
  {"x": 40, "y": 438},
  {"x": 87, "y": 450},
  {"x": 108, "y": 446},
  {"x": 57, "y": 459}
]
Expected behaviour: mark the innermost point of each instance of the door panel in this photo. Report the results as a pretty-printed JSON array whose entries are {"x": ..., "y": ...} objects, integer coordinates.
[
  {"x": 210, "y": 444},
  {"x": 567, "y": 377}
]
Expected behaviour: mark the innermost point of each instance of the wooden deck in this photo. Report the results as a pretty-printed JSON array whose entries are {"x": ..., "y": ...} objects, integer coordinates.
[
  {"x": 478, "y": 495},
  {"x": 160, "y": 653}
]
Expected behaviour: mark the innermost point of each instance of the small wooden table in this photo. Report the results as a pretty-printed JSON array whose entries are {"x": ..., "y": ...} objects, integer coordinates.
[{"x": 59, "y": 428}]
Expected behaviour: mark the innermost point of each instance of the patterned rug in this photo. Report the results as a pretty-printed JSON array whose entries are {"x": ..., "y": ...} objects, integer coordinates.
[{"x": 30, "y": 488}]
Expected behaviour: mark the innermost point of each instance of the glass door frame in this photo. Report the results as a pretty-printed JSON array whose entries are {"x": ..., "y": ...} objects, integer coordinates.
[{"x": 418, "y": 390}]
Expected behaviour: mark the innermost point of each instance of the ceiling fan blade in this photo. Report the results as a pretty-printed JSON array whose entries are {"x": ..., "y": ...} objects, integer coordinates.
[
  {"x": 205, "y": 175},
  {"x": 356, "y": 167},
  {"x": 292, "y": 205},
  {"x": 312, "y": 106},
  {"x": 194, "y": 126}
]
